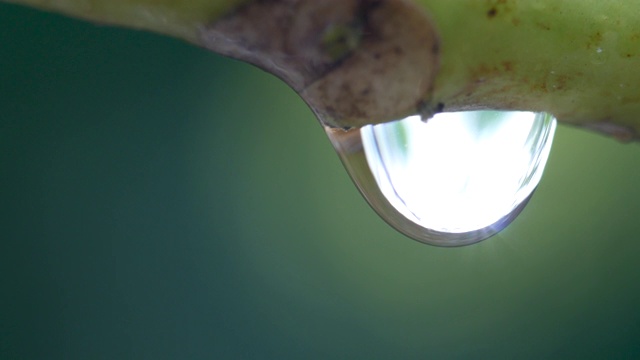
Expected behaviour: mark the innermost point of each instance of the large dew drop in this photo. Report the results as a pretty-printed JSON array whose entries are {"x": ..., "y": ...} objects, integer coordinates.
[{"x": 454, "y": 180}]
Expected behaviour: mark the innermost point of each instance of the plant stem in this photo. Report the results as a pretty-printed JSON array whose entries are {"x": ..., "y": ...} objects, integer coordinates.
[{"x": 575, "y": 59}]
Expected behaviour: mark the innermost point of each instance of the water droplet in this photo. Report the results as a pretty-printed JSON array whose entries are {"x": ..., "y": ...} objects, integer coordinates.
[{"x": 454, "y": 180}]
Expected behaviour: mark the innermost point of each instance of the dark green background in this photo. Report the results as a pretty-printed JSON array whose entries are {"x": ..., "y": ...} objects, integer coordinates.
[{"x": 158, "y": 201}]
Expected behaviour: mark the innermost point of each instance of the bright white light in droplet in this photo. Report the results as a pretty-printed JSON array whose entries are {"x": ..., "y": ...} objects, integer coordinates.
[{"x": 460, "y": 171}]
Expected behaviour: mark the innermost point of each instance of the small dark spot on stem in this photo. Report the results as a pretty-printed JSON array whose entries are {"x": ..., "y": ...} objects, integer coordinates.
[
  {"x": 492, "y": 12},
  {"x": 436, "y": 48},
  {"x": 426, "y": 110},
  {"x": 543, "y": 26}
]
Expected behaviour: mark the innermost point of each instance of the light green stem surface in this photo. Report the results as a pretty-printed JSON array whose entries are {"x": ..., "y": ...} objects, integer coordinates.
[
  {"x": 176, "y": 18},
  {"x": 578, "y": 60}
]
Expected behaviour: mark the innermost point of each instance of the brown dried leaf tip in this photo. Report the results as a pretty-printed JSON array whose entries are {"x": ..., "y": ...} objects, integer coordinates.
[{"x": 353, "y": 61}]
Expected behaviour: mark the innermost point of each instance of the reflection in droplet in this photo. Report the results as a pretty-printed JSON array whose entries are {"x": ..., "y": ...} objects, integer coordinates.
[{"x": 454, "y": 180}]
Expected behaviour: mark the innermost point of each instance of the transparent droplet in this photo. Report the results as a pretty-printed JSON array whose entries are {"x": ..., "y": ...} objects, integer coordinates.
[{"x": 453, "y": 180}]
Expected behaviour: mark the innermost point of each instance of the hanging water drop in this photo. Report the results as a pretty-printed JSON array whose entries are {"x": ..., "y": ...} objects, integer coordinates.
[{"x": 454, "y": 180}]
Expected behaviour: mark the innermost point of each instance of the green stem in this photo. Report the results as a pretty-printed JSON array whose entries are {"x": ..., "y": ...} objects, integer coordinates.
[
  {"x": 175, "y": 18},
  {"x": 575, "y": 59}
]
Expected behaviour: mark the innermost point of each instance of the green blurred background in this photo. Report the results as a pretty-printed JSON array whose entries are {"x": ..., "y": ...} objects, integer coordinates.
[{"x": 160, "y": 202}]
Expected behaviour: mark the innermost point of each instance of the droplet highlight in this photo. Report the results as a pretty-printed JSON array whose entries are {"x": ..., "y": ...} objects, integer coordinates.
[{"x": 456, "y": 179}]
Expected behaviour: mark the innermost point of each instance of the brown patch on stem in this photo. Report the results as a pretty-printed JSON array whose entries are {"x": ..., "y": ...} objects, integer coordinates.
[
  {"x": 387, "y": 71},
  {"x": 618, "y": 132},
  {"x": 284, "y": 37}
]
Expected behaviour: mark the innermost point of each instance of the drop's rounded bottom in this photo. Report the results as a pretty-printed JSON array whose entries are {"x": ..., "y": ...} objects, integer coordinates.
[{"x": 453, "y": 180}]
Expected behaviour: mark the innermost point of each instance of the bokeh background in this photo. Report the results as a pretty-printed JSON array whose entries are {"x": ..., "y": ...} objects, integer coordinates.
[{"x": 161, "y": 202}]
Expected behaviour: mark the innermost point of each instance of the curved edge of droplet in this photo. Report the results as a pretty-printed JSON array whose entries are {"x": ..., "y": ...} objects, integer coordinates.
[
  {"x": 349, "y": 149},
  {"x": 399, "y": 222},
  {"x": 446, "y": 239}
]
